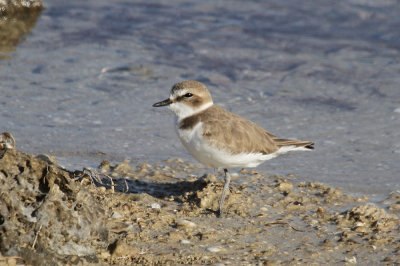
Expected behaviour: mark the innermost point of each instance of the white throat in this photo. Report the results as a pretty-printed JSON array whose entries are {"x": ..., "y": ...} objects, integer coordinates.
[{"x": 182, "y": 110}]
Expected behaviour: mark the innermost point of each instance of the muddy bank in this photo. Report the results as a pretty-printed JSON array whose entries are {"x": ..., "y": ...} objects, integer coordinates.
[{"x": 162, "y": 213}]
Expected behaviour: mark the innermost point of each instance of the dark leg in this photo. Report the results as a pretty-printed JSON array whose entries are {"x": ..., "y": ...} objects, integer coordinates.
[{"x": 226, "y": 187}]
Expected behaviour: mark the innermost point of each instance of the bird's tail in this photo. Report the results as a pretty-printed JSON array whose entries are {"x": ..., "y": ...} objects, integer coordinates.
[{"x": 296, "y": 143}]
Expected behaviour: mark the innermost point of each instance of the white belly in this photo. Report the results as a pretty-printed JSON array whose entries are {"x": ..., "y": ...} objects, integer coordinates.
[{"x": 211, "y": 156}]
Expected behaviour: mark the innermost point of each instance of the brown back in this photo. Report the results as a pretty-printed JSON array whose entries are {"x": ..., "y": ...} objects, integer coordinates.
[{"x": 226, "y": 130}]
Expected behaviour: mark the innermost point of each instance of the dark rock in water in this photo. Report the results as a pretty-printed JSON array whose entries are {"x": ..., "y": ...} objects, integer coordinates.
[
  {"x": 17, "y": 18},
  {"x": 44, "y": 213},
  {"x": 11, "y": 7}
]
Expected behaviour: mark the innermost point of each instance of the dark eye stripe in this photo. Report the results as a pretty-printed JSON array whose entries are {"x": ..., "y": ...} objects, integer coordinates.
[{"x": 187, "y": 95}]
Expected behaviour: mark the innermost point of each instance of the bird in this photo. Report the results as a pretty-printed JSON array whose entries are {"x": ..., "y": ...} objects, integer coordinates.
[{"x": 218, "y": 138}]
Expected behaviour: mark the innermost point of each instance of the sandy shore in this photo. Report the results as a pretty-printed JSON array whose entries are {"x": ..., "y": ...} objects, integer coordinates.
[{"x": 148, "y": 214}]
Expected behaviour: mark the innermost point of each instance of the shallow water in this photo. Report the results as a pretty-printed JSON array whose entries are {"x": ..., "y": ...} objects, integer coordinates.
[{"x": 81, "y": 85}]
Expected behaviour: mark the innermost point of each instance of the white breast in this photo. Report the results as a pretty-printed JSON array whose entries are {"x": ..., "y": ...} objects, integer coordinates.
[{"x": 211, "y": 156}]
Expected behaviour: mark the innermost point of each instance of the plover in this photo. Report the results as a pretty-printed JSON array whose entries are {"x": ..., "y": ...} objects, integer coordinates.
[{"x": 218, "y": 138}]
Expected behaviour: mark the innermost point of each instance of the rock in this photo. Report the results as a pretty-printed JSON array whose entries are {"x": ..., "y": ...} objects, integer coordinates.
[
  {"x": 7, "y": 141},
  {"x": 124, "y": 167},
  {"x": 214, "y": 249},
  {"x": 144, "y": 166},
  {"x": 185, "y": 224},
  {"x": 121, "y": 249},
  {"x": 284, "y": 187},
  {"x": 42, "y": 207},
  {"x": 352, "y": 260},
  {"x": 104, "y": 167},
  {"x": 156, "y": 206},
  {"x": 17, "y": 18},
  {"x": 116, "y": 215},
  {"x": 11, "y": 6},
  {"x": 368, "y": 218}
]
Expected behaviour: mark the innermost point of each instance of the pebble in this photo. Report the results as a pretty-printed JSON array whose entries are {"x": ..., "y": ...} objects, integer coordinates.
[
  {"x": 184, "y": 241},
  {"x": 154, "y": 173},
  {"x": 123, "y": 167},
  {"x": 7, "y": 141},
  {"x": 174, "y": 160},
  {"x": 145, "y": 166},
  {"x": 285, "y": 187},
  {"x": 359, "y": 224},
  {"x": 116, "y": 215},
  {"x": 156, "y": 205},
  {"x": 234, "y": 174},
  {"x": 122, "y": 249},
  {"x": 214, "y": 249},
  {"x": 185, "y": 223},
  {"x": 351, "y": 260}
]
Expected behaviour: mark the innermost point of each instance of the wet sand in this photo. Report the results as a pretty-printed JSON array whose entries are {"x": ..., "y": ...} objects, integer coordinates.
[{"x": 163, "y": 214}]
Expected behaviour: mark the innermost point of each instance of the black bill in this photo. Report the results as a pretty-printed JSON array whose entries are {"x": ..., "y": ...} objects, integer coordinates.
[{"x": 162, "y": 103}]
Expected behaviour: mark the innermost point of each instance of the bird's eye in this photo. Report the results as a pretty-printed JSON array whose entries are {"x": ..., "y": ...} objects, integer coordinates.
[{"x": 188, "y": 95}]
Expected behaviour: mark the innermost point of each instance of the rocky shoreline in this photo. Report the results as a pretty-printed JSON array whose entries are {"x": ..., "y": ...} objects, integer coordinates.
[{"x": 125, "y": 214}]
